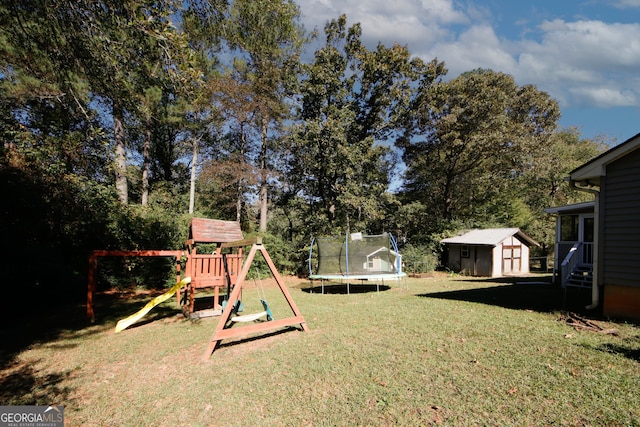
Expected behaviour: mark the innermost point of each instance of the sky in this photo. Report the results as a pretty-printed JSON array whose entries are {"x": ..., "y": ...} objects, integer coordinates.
[{"x": 584, "y": 53}]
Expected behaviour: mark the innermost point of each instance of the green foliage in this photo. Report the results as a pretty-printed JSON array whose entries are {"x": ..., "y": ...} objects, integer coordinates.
[
  {"x": 282, "y": 254},
  {"x": 49, "y": 223},
  {"x": 138, "y": 228},
  {"x": 419, "y": 258},
  {"x": 473, "y": 135},
  {"x": 350, "y": 97},
  {"x": 151, "y": 96}
]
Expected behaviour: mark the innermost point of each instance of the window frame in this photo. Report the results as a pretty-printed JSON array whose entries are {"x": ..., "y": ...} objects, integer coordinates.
[{"x": 465, "y": 251}]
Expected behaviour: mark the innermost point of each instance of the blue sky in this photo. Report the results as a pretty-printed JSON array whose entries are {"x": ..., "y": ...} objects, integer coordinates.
[{"x": 585, "y": 54}]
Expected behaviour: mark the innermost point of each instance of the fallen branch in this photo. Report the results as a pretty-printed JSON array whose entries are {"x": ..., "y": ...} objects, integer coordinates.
[{"x": 582, "y": 324}]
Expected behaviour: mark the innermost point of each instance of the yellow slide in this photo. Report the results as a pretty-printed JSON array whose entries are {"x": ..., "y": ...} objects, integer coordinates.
[{"x": 128, "y": 321}]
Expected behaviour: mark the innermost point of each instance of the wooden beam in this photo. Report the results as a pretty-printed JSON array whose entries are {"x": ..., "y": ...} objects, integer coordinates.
[
  {"x": 238, "y": 243},
  {"x": 259, "y": 327},
  {"x": 140, "y": 253},
  {"x": 222, "y": 332}
]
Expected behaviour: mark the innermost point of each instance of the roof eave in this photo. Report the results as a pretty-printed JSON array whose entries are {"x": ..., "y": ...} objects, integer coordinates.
[
  {"x": 590, "y": 172},
  {"x": 576, "y": 207},
  {"x": 524, "y": 238}
]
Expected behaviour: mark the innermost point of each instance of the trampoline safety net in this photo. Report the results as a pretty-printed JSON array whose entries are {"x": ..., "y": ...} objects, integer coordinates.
[{"x": 357, "y": 254}]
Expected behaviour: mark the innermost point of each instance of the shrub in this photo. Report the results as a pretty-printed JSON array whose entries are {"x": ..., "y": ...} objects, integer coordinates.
[{"x": 419, "y": 259}]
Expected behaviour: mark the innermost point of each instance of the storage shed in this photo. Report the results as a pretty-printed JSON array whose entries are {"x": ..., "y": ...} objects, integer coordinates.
[{"x": 491, "y": 252}]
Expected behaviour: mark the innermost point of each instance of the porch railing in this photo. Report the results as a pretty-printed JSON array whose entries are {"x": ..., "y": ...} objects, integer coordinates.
[
  {"x": 570, "y": 262},
  {"x": 587, "y": 252},
  {"x": 580, "y": 253}
]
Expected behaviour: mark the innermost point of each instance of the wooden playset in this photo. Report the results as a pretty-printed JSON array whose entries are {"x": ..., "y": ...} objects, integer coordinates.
[
  {"x": 224, "y": 267},
  {"x": 217, "y": 269}
]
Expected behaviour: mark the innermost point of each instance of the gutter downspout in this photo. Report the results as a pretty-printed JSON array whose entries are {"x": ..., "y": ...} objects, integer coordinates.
[{"x": 595, "y": 290}]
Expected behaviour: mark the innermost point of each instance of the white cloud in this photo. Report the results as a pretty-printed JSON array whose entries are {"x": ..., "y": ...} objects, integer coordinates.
[
  {"x": 627, "y": 4},
  {"x": 412, "y": 22},
  {"x": 604, "y": 96},
  {"x": 581, "y": 63},
  {"x": 584, "y": 62},
  {"x": 593, "y": 44},
  {"x": 478, "y": 47}
]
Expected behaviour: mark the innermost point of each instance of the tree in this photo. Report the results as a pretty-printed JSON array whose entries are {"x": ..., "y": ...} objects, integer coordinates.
[
  {"x": 88, "y": 53},
  {"x": 469, "y": 138},
  {"x": 544, "y": 183},
  {"x": 351, "y": 100},
  {"x": 268, "y": 38},
  {"x": 203, "y": 23},
  {"x": 46, "y": 117}
]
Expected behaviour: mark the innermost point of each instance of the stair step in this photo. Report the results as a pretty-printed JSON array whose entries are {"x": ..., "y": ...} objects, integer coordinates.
[
  {"x": 581, "y": 276},
  {"x": 578, "y": 284},
  {"x": 581, "y": 282}
]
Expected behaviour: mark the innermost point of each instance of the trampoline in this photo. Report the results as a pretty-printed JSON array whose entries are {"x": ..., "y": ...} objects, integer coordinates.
[{"x": 356, "y": 257}]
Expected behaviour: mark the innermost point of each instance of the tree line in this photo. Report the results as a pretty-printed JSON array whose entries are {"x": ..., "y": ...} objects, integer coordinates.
[{"x": 121, "y": 119}]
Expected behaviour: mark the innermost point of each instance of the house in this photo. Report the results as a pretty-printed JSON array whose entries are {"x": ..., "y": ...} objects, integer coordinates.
[
  {"x": 613, "y": 179},
  {"x": 492, "y": 252}
]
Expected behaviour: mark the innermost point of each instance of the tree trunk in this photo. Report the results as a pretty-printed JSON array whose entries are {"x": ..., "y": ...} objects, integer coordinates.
[
  {"x": 145, "y": 163},
  {"x": 121, "y": 155},
  {"x": 192, "y": 182},
  {"x": 263, "y": 178},
  {"x": 241, "y": 181}
]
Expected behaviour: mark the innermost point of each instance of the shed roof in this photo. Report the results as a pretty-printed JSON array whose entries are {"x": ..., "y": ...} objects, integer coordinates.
[{"x": 490, "y": 237}]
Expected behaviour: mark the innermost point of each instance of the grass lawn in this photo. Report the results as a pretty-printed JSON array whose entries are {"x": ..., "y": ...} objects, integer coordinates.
[{"x": 447, "y": 351}]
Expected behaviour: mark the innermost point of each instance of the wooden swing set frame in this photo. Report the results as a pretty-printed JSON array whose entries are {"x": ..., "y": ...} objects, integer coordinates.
[
  {"x": 213, "y": 270},
  {"x": 223, "y": 329}
]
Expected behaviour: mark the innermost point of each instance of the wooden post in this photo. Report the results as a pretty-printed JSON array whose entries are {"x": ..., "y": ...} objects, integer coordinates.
[
  {"x": 91, "y": 288},
  {"x": 221, "y": 332},
  {"x": 93, "y": 266}
]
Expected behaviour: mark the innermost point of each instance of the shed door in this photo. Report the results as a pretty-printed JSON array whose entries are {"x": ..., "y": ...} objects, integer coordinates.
[{"x": 511, "y": 256}]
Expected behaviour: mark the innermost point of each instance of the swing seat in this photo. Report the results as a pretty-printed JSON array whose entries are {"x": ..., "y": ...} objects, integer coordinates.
[
  {"x": 238, "y": 308},
  {"x": 255, "y": 316}
]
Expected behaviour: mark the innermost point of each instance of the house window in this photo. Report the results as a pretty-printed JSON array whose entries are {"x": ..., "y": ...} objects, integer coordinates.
[
  {"x": 588, "y": 224},
  {"x": 464, "y": 251},
  {"x": 569, "y": 228}
]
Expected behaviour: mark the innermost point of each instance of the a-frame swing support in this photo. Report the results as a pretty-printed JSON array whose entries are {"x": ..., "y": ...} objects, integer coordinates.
[{"x": 222, "y": 332}]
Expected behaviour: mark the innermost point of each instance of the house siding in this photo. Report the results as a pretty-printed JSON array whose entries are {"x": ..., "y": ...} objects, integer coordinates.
[
  {"x": 483, "y": 262},
  {"x": 478, "y": 263},
  {"x": 620, "y": 207},
  {"x": 496, "y": 262}
]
